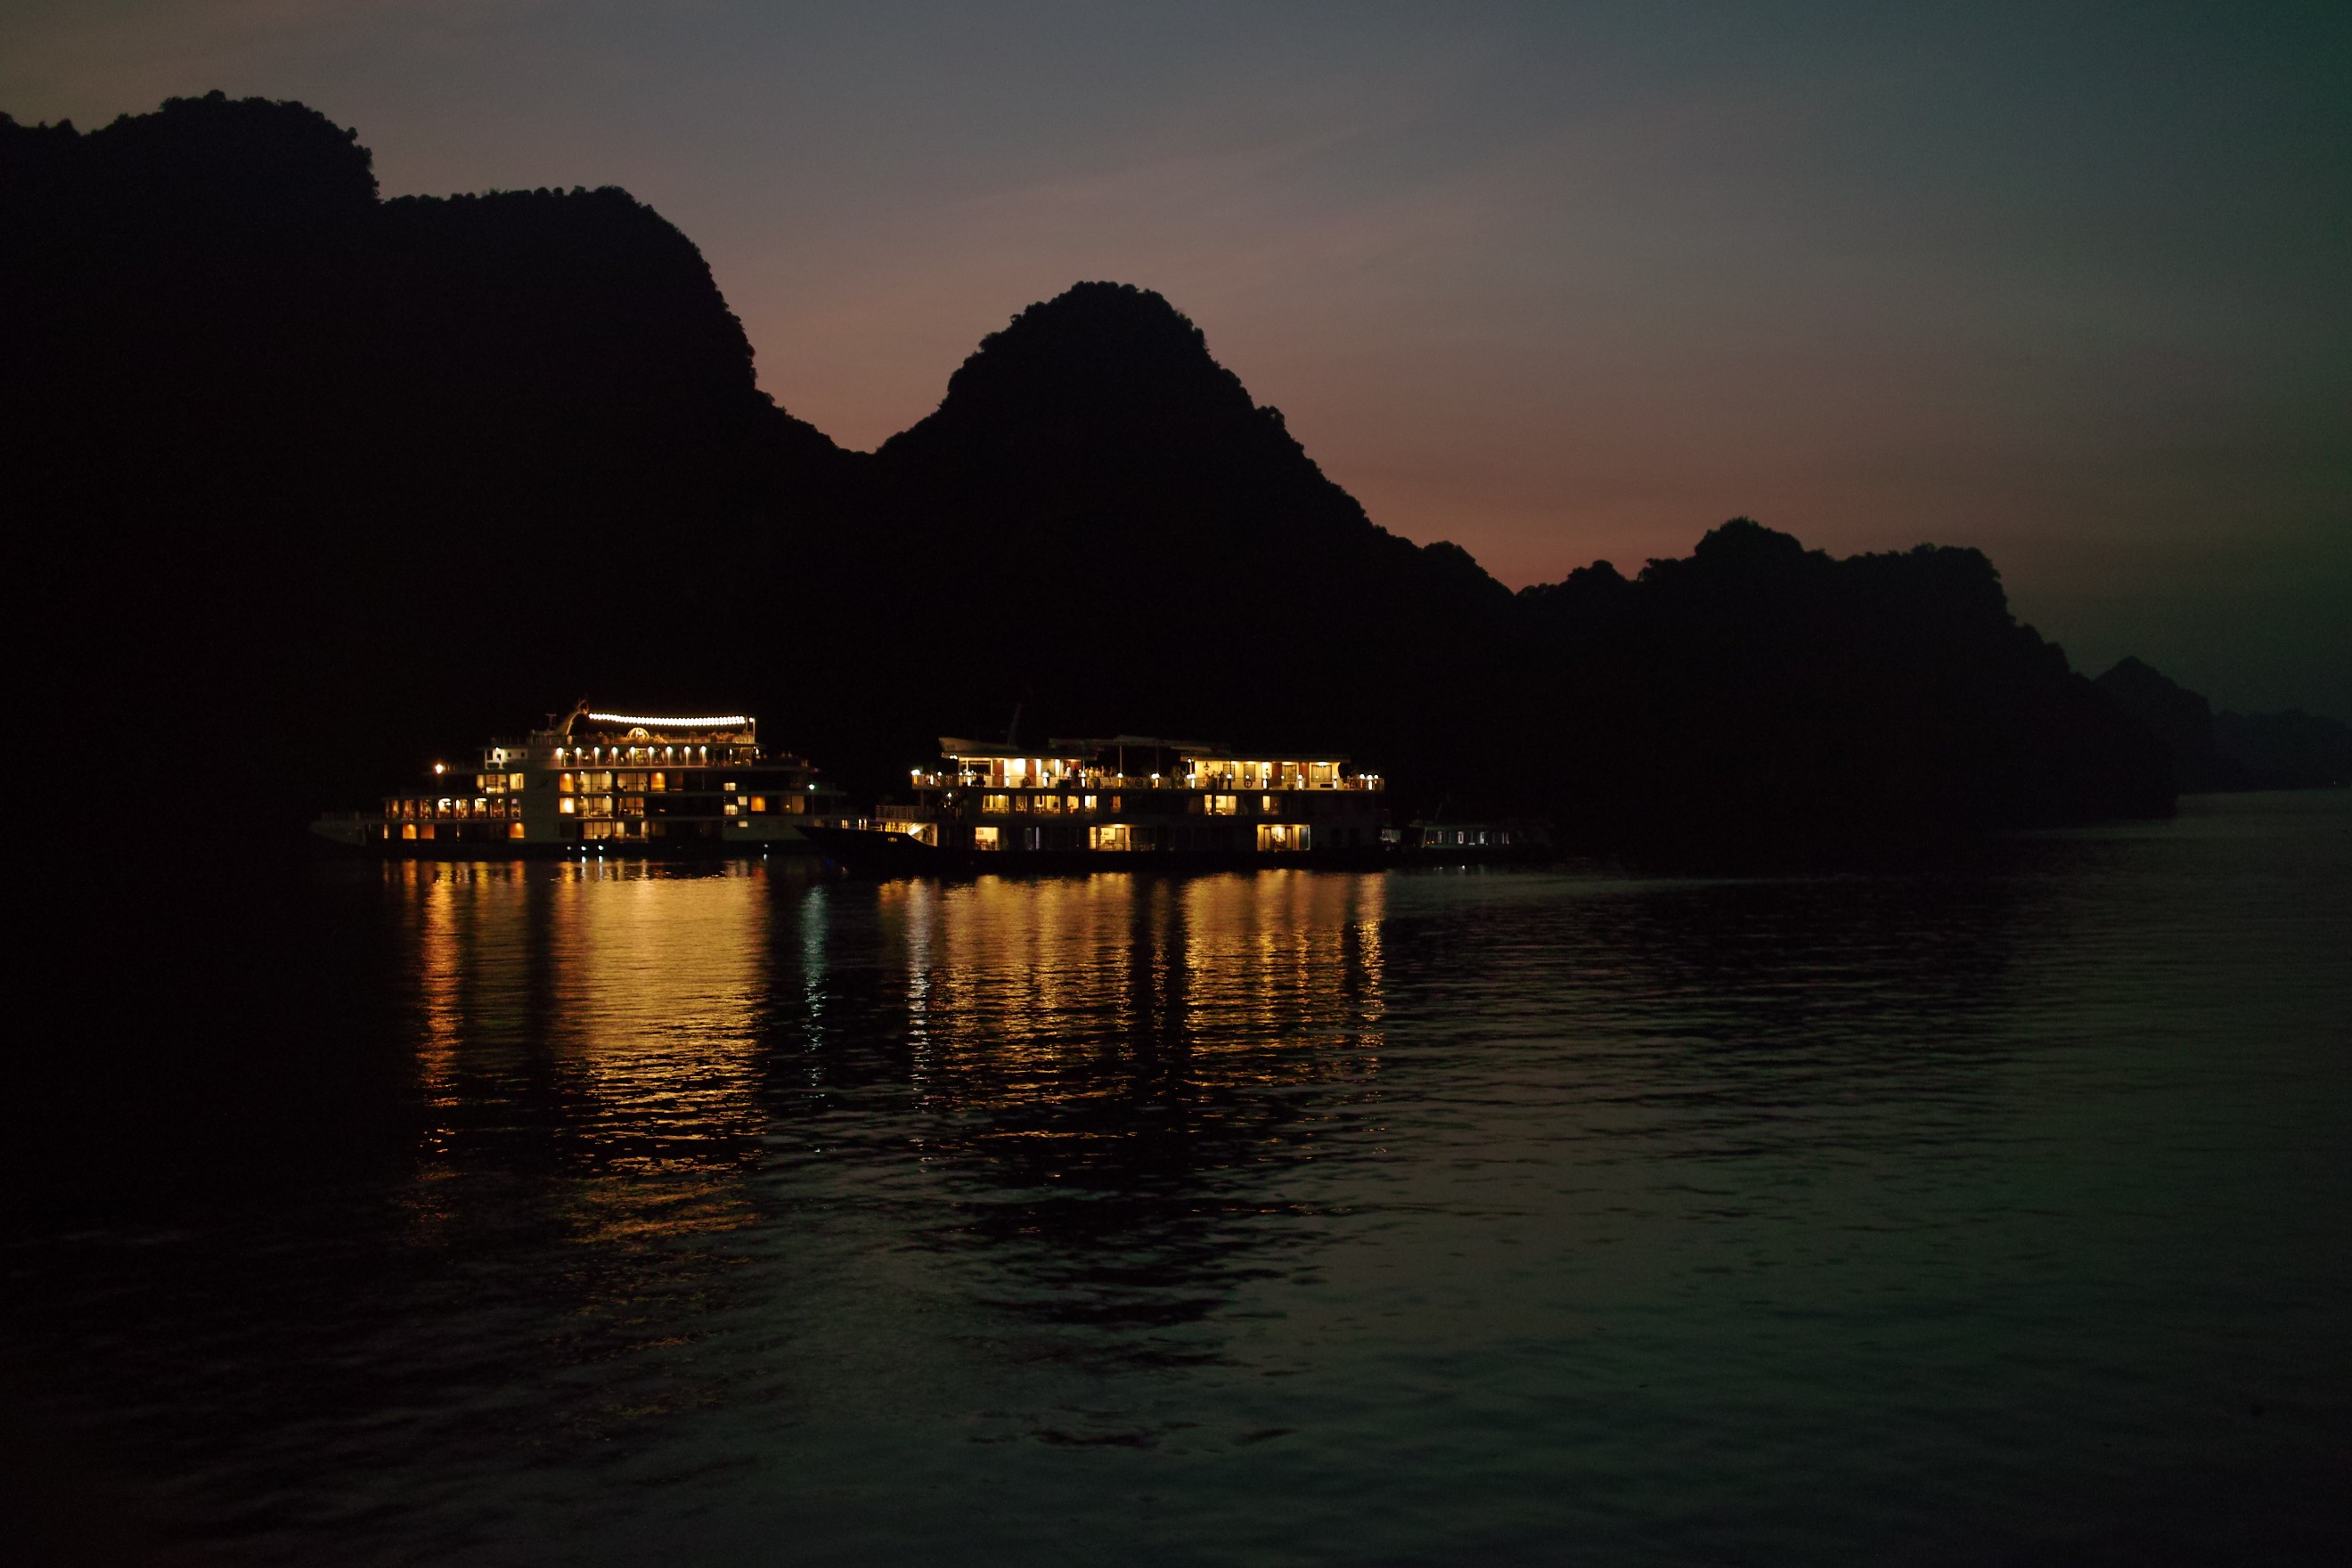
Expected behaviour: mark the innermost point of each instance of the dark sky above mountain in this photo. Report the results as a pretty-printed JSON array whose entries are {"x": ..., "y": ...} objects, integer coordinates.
[{"x": 2065, "y": 282}]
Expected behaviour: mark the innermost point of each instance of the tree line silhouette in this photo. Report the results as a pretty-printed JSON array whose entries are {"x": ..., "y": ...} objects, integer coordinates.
[{"x": 312, "y": 486}]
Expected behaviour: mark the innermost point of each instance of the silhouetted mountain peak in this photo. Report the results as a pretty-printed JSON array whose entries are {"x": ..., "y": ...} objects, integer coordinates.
[
  {"x": 2148, "y": 693},
  {"x": 2226, "y": 750},
  {"x": 262, "y": 160},
  {"x": 1108, "y": 379},
  {"x": 1744, "y": 547},
  {"x": 1099, "y": 350}
]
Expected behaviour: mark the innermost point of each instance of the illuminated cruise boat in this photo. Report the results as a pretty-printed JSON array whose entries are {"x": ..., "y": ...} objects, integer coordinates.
[
  {"x": 607, "y": 782},
  {"x": 1137, "y": 796}
]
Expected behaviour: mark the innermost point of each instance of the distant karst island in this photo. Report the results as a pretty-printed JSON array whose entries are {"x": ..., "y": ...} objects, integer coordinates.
[{"x": 320, "y": 484}]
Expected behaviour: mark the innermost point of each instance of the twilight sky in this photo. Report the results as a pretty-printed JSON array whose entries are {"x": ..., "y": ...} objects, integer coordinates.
[{"x": 2071, "y": 283}]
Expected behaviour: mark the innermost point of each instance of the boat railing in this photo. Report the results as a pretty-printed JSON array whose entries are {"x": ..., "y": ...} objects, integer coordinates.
[{"x": 1084, "y": 783}]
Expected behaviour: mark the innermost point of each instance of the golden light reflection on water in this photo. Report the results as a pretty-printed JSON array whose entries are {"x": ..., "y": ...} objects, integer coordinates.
[
  {"x": 662, "y": 980},
  {"x": 1007, "y": 974},
  {"x": 1177, "y": 1043},
  {"x": 629, "y": 1022},
  {"x": 606, "y": 1013}
]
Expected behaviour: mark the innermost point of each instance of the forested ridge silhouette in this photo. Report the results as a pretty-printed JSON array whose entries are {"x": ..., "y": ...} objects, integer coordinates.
[{"x": 313, "y": 486}]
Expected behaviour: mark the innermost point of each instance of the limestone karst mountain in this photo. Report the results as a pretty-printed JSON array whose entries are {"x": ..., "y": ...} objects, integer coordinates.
[{"x": 320, "y": 484}]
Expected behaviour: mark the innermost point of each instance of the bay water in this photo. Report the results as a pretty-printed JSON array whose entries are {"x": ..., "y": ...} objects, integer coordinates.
[{"x": 610, "y": 1213}]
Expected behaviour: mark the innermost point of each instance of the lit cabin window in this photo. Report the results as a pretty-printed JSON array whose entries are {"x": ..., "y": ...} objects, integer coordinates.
[
  {"x": 408, "y": 830},
  {"x": 658, "y": 782},
  {"x": 996, "y": 804},
  {"x": 1110, "y": 836},
  {"x": 567, "y": 806},
  {"x": 1049, "y": 804},
  {"x": 1087, "y": 803},
  {"x": 1224, "y": 805},
  {"x": 565, "y": 784},
  {"x": 987, "y": 838},
  {"x": 514, "y": 830},
  {"x": 731, "y": 808},
  {"x": 1265, "y": 804},
  {"x": 514, "y": 780},
  {"x": 759, "y": 803}
]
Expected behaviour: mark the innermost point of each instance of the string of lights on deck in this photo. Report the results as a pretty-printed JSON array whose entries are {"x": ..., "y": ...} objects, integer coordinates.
[{"x": 716, "y": 721}]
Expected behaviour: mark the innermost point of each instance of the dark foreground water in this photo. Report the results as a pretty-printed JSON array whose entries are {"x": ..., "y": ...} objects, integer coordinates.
[{"x": 2002, "y": 1214}]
